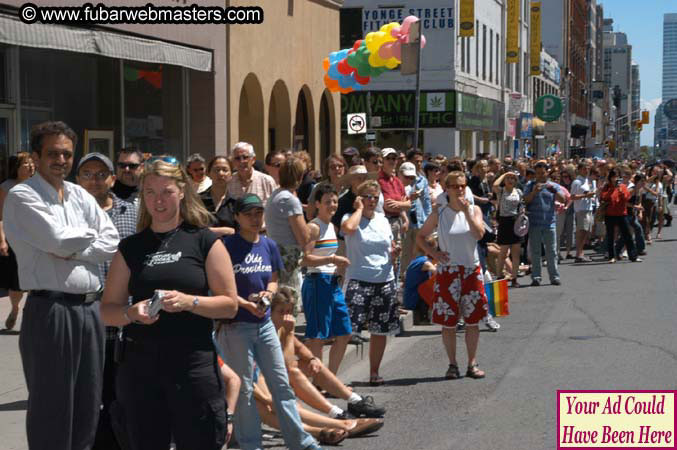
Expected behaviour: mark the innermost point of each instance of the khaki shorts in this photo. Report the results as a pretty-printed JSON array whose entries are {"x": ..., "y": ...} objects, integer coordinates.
[{"x": 584, "y": 221}]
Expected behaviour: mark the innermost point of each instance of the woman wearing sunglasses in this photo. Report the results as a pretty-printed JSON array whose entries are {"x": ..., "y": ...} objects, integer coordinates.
[
  {"x": 168, "y": 382},
  {"x": 371, "y": 289},
  {"x": 459, "y": 289}
]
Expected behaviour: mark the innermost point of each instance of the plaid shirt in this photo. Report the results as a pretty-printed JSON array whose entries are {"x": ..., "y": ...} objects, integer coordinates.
[{"x": 123, "y": 214}]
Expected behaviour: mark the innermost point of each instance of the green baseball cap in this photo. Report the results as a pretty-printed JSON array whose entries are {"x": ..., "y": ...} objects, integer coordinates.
[{"x": 249, "y": 201}]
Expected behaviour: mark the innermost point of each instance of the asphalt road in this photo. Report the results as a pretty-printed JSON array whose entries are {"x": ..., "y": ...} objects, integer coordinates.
[{"x": 607, "y": 327}]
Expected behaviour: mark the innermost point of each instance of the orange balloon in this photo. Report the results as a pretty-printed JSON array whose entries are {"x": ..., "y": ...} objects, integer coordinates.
[
  {"x": 325, "y": 64},
  {"x": 331, "y": 83}
]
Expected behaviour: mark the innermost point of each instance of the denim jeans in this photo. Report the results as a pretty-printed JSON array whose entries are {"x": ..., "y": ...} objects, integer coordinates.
[
  {"x": 548, "y": 238},
  {"x": 243, "y": 343},
  {"x": 640, "y": 244}
]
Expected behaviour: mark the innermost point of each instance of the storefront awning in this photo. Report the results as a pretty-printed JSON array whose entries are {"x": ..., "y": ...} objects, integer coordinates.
[{"x": 104, "y": 43}]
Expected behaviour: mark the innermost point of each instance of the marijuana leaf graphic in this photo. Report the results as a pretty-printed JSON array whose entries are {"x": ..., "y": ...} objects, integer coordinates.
[{"x": 436, "y": 102}]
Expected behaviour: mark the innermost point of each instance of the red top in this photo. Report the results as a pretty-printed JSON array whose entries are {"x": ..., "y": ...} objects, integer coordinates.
[
  {"x": 392, "y": 188},
  {"x": 617, "y": 198}
]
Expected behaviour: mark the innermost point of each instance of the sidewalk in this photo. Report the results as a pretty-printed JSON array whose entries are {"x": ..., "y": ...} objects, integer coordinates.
[{"x": 13, "y": 392}]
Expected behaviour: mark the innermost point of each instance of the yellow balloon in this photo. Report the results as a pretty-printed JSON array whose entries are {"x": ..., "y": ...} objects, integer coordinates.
[{"x": 375, "y": 40}]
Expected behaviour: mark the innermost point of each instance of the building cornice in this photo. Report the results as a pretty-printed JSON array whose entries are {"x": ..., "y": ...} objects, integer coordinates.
[{"x": 334, "y": 4}]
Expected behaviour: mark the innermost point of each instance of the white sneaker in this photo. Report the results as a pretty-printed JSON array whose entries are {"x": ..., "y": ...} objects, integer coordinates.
[
  {"x": 490, "y": 323},
  {"x": 624, "y": 254}
]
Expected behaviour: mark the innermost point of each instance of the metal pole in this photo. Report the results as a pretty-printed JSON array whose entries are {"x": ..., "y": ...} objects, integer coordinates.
[
  {"x": 368, "y": 117},
  {"x": 417, "y": 104},
  {"x": 567, "y": 100}
]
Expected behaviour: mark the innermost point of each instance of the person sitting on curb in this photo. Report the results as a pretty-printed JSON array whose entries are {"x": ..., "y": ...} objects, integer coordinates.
[
  {"x": 325, "y": 429},
  {"x": 302, "y": 365}
]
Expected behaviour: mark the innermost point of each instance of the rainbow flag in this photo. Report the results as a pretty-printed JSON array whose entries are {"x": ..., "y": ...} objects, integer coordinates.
[{"x": 497, "y": 296}]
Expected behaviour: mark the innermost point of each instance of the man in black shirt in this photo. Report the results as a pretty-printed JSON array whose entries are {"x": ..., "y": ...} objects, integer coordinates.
[{"x": 129, "y": 169}]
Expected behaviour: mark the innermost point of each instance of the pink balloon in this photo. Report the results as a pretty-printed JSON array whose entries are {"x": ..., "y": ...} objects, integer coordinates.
[
  {"x": 406, "y": 23},
  {"x": 422, "y": 41},
  {"x": 386, "y": 50},
  {"x": 396, "y": 32}
]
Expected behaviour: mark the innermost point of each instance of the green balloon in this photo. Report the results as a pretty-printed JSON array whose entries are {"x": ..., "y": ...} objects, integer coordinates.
[{"x": 359, "y": 60}]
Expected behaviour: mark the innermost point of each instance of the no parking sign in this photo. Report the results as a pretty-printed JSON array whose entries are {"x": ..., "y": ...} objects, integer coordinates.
[{"x": 357, "y": 123}]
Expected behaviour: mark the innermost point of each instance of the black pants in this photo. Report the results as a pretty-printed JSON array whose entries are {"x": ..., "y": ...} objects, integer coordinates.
[
  {"x": 105, "y": 436},
  {"x": 62, "y": 347},
  {"x": 621, "y": 222},
  {"x": 172, "y": 389}
]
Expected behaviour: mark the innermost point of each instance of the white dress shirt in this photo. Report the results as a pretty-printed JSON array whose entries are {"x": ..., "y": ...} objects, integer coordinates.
[{"x": 58, "y": 245}]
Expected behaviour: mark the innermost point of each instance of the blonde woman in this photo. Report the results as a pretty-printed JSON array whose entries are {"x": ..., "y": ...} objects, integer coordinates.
[
  {"x": 459, "y": 290},
  {"x": 168, "y": 383},
  {"x": 371, "y": 289}
]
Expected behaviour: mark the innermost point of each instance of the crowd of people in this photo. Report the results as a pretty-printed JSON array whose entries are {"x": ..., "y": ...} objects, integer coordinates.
[{"x": 198, "y": 269}]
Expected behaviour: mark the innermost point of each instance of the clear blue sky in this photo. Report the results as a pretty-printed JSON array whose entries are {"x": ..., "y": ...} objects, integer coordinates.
[{"x": 642, "y": 21}]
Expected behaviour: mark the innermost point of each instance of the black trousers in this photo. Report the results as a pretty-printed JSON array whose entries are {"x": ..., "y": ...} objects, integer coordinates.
[
  {"x": 621, "y": 222},
  {"x": 105, "y": 436},
  {"x": 62, "y": 347},
  {"x": 172, "y": 389}
]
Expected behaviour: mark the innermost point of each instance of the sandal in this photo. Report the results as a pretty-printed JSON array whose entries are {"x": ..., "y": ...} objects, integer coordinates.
[
  {"x": 332, "y": 436},
  {"x": 11, "y": 319},
  {"x": 474, "y": 372},
  {"x": 376, "y": 380},
  {"x": 452, "y": 372}
]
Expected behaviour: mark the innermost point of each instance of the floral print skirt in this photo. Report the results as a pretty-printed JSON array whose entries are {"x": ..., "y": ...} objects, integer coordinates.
[
  {"x": 373, "y": 306},
  {"x": 459, "y": 292}
]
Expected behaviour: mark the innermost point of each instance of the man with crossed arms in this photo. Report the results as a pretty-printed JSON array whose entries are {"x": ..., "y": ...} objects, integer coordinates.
[{"x": 60, "y": 235}]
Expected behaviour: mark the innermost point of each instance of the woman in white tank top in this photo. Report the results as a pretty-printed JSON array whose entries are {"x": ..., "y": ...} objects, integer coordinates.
[{"x": 459, "y": 290}]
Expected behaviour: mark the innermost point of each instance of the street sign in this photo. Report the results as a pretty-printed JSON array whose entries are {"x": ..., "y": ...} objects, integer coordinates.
[
  {"x": 371, "y": 136},
  {"x": 670, "y": 109},
  {"x": 548, "y": 108},
  {"x": 357, "y": 123}
]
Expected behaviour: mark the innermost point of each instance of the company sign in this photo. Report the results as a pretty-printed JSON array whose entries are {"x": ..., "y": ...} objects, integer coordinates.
[
  {"x": 479, "y": 113},
  {"x": 395, "y": 109}
]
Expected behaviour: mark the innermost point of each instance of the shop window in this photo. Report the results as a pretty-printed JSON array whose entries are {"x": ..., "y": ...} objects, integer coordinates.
[
  {"x": 4, "y": 75},
  {"x": 67, "y": 86},
  {"x": 154, "y": 108},
  {"x": 350, "y": 26}
]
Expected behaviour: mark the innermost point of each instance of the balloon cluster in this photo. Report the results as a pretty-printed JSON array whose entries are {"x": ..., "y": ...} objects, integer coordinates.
[{"x": 351, "y": 69}]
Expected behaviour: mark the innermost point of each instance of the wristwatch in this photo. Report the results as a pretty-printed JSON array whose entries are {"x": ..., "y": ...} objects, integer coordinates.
[{"x": 196, "y": 301}]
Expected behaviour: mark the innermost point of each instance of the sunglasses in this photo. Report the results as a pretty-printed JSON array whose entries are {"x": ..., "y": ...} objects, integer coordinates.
[
  {"x": 370, "y": 197},
  {"x": 168, "y": 159},
  {"x": 276, "y": 165},
  {"x": 241, "y": 158},
  {"x": 456, "y": 186},
  {"x": 132, "y": 166}
]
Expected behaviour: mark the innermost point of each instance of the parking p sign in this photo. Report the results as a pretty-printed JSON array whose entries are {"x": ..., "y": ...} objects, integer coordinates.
[{"x": 548, "y": 108}]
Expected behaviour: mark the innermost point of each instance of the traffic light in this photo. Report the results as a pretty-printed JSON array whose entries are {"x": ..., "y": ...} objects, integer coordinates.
[
  {"x": 645, "y": 117},
  {"x": 639, "y": 125}
]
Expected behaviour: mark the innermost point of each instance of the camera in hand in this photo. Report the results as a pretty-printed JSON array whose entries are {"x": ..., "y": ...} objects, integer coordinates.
[
  {"x": 261, "y": 301},
  {"x": 155, "y": 304}
]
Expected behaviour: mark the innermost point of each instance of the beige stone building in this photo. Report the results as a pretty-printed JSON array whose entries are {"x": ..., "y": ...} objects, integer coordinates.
[{"x": 173, "y": 88}]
